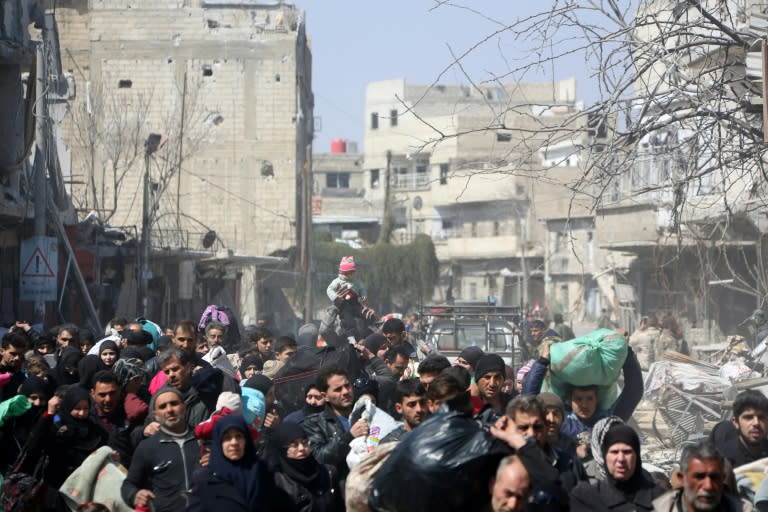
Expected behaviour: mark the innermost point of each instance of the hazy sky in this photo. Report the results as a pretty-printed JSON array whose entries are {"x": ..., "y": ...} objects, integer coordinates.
[{"x": 359, "y": 41}]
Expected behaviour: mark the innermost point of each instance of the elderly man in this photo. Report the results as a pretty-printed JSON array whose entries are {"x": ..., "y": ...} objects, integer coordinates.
[
  {"x": 162, "y": 467},
  {"x": 511, "y": 486},
  {"x": 702, "y": 473},
  {"x": 626, "y": 487}
]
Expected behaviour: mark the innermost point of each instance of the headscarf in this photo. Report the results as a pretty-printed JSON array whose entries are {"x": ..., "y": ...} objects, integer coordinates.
[
  {"x": 70, "y": 357},
  {"x": 243, "y": 474},
  {"x": 87, "y": 368},
  {"x": 34, "y": 384},
  {"x": 127, "y": 370},
  {"x": 304, "y": 471},
  {"x": 251, "y": 360},
  {"x": 88, "y": 434},
  {"x": 599, "y": 431},
  {"x": 109, "y": 344},
  {"x": 622, "y": 433}
]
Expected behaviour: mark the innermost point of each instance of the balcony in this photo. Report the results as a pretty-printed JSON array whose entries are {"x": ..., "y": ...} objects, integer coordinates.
[{"x": 448, "y": 248}]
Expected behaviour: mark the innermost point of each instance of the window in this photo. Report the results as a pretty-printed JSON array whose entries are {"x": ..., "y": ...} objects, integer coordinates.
[
  {"x": 124, "y": 84},
  {"x": 496, "y": 228},
  {"x": 410, "y": 174},
  {"x": 393, "y": 118},
  {"x": 374, "y": 120},
  {"x": 337, "y": 180},
  {"x": 207, "y": 70},
  {"x": 503, "y": 137},
  {"x": 374, "y": 178},
  {"x": 443, "y": 174},
  {"x": 472, "y": 291},
  {"x": 473, "y": 230},
  {"x": 520, "y": 190}
]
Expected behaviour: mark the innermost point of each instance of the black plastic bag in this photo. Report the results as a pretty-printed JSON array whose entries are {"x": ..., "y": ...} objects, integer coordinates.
[{"x": 445, "y": 464}]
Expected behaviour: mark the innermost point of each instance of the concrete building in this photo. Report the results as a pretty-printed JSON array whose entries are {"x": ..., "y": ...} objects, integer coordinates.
[
  {"x": 463, "y": 166},
  {"x": 212, "y": 101},
  {"x": 690, "y": 207}
]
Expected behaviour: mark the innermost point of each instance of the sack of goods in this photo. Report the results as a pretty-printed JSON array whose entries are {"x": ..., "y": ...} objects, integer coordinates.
[
  {"x": 445, "y": 465},
  {"x": 594, "y": 359}
]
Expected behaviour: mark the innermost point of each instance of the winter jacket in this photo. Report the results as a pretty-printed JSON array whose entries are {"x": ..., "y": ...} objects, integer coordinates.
[
  {"x": 324, "y": 497},
  {"x": 211, "y": 493},
  {"x": 329, "y": 440},
  {"x": 671, "y": 502},
  {"x": 604, "y": 496},
  {"x": 165, "y": 467}
]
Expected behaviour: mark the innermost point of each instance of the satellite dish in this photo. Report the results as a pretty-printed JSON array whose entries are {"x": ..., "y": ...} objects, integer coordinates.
[
  {"x": 209, "y": 239},
  {"x": 417, "y": 203}
]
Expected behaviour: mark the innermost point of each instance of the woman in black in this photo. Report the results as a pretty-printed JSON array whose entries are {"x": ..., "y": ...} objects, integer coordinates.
[
  {"x": 236, "y": 480},
  {"x": 309, "y": 485}
]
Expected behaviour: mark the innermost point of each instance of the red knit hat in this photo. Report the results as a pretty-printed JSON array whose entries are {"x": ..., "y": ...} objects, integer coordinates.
[{"x": 347, "y": 264}]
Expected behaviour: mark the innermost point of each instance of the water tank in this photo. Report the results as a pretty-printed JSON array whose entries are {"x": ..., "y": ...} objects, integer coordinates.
[{"x": 338, "y": 146}]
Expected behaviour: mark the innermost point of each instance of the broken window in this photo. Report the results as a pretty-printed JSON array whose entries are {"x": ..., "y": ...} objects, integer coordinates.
[{"x": 374, "y": 178}]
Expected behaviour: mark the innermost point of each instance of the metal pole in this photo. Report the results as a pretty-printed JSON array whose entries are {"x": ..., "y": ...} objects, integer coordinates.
[
  {"x": 41, "y": 160},
  {"x": 141, "y": 295}
]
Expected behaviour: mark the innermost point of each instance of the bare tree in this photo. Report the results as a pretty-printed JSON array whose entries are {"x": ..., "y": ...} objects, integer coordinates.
[{"x": 677, "y": 120}]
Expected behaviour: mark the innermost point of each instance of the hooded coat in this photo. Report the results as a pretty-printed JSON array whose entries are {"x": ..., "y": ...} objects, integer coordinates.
[{"x": 232, "y": 486}]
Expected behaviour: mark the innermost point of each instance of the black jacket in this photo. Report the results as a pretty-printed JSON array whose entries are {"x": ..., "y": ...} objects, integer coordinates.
[
  {"x": 604, "y": 496},
  {"x": 330, "y": 443},
  {"x": 211, "y": 493},
  {"x": 324, "y": 496},
  {"x": 160, "y": 465}
]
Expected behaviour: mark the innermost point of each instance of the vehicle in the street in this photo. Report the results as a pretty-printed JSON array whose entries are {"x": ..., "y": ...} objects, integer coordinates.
[{"x": 453, "y": 327}]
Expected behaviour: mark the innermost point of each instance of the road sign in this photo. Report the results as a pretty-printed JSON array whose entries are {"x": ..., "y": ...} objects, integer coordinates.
[{"x": 39, "y": 268}]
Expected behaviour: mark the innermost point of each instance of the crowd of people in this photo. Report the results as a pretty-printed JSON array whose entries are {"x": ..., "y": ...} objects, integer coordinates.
[{"x": 287, "y": 423}]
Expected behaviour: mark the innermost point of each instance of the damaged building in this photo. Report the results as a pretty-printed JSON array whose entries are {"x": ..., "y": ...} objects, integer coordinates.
[{"x": 190, "y": 127}]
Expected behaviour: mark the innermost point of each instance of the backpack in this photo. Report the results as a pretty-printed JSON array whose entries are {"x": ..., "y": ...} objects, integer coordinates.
[
  {"x": 360, "y": 479},
  {"x": 23, "y": 492}
]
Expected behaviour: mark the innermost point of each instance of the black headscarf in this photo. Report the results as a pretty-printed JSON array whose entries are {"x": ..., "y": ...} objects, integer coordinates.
[
  {"x": 109, "y": 344},
  {"x": 34, "y": 385},
  {"x": 86, "y": 433},
  {"x": 625, "y": 434},
  {"x": 244, "y": 474},
  {"x": 305, "y": 471},
  {"x": 89, "y": 366},
  {"x": 69, "y": 358}
]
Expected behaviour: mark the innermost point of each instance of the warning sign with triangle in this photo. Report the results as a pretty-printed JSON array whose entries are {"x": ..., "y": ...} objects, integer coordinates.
[{"x": 37, "y": 265}]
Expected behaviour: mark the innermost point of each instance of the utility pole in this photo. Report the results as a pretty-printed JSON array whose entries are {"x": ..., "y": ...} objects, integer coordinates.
[
  {"x": 152, "y": 144},
  {"x": 306, "y": 234},
  {"x": 386, "y": 222},
  {"x": 41, "y": 159}
]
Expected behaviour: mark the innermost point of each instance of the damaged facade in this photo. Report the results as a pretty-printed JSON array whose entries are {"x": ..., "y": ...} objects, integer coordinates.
[{"x": 210, "y": 102}]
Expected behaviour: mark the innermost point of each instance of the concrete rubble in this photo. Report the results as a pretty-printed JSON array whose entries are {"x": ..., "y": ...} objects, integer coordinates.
[{"x": 685, "y": 397}]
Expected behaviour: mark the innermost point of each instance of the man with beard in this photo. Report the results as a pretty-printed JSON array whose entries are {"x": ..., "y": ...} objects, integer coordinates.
[
  {"x": 744, "y": 440},
  {"x": 489, "y": 375},
  {"x": 330, "y": 431},
  {"x": 411, "y": 404},
  {"x": 178, "y": 367},
  {"x": 162, "y": 467},
  {"x": 109, "y": 410},
  {"x": 12, "y": 350},
  {"x": 527, "y": 414},
  {"x": 702, "y": 473}
]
